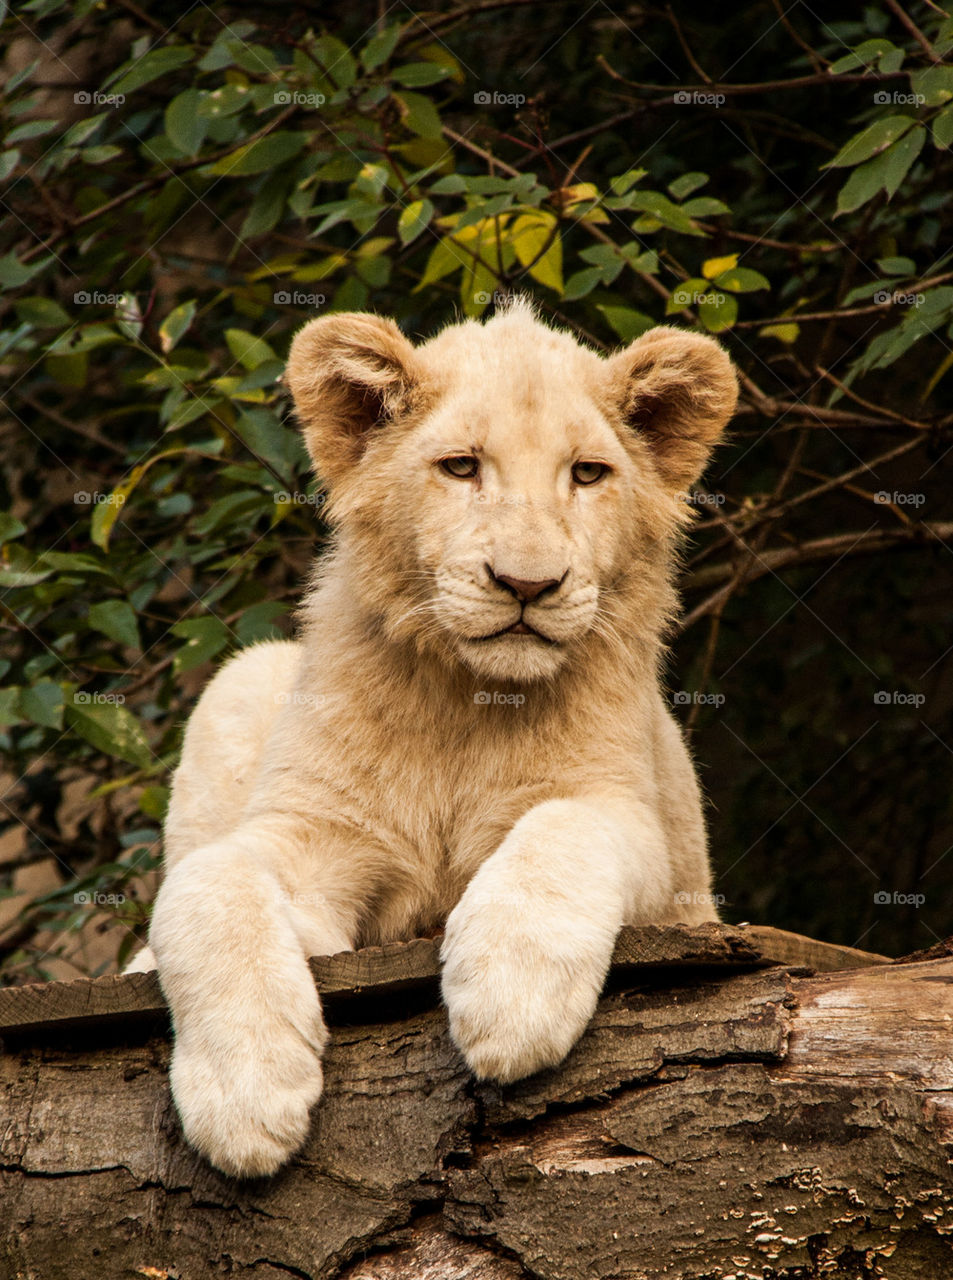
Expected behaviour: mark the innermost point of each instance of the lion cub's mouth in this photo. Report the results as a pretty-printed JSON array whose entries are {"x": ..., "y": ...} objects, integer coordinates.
[{"x": 519, "y": 628}]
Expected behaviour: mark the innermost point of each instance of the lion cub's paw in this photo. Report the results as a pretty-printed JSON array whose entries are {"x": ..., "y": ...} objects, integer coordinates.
[
  {"x": 519, "y": 995},
  {"x": 246, "y": 1107}
]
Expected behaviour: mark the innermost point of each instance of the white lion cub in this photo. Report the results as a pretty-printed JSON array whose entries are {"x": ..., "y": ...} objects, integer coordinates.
[{"x": 469, "y": 731}]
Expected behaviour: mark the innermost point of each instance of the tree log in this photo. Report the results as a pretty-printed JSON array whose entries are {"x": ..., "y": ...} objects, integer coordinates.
[{"x": 744, "y": 1104}]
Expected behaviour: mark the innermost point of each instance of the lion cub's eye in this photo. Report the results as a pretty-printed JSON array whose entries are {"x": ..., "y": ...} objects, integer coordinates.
[
  {"x": 589, "y": 472},
  {"x": 463, "y": 467}
]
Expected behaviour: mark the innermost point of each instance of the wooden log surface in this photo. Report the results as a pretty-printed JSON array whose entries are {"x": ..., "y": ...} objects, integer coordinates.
[
  {"x": 723, "y": 1117},
  {"x": 401, "y": 966}
]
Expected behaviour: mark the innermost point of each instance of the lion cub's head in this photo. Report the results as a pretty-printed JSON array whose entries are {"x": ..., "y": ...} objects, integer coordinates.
[{"x": 503, "y": 494}]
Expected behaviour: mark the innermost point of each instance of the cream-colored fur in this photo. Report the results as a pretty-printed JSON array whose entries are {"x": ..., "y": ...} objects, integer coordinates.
[{"x": 408, "y": 763}]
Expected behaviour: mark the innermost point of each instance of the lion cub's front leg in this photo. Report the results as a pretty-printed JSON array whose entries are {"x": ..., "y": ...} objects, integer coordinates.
[
  {"x": 231, "y": 945},
  {"x": 528, "y": 945}
]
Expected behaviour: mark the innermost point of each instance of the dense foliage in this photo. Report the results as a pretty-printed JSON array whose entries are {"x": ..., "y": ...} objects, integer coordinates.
[{"x": 183, "y": 187}]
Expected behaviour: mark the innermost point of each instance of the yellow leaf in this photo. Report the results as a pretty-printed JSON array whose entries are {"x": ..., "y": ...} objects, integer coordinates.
[
  {"x": 580, "y": 194},
  {"x": 535, "y": 238},
  {"x": 783, "y": 332},
  {"x": 715, "y": 266}
]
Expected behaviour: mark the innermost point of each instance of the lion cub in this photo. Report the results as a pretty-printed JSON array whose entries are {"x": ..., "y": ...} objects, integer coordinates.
[{"x": 469, "y": 731}]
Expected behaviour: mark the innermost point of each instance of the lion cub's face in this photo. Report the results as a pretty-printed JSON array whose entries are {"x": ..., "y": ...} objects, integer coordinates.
[
  {"x": 519, "y": 489},
  {"x": 499, "y": 488}
]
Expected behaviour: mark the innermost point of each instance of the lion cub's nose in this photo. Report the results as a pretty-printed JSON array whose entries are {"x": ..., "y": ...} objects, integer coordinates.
[{"x": 522, "y": 588}]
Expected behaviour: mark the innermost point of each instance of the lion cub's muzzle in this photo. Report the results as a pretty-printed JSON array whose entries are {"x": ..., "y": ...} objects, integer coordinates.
[{"x": 524, "y": 591}]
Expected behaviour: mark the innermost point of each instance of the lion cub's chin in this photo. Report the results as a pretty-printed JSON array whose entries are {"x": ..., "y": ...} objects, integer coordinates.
[{"x": 512, "y": 657}]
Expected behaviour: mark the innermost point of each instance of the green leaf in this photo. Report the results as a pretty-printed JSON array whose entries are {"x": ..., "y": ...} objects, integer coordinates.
[
  {"x": 32, "y": 129},
  {"x": 417, "y": 75},
  {"x": 157, "y": 62},
  {"x": 878, "y": 135},
  {"x": 220, "y": 54},
  {"x": 13, "y": 273},
  {"x": 376, "y": 52},
  {"x": 581, "y": 283},
  {"x": 705, "y": 207},
  {"x": 414, "y": 219},
  {"x": 10, "y": 712},
  {"x": 419, "y": 115},
  {"x": 896, "y": 266},
  {"x": 42, "y": 313},
  {"x": 335, "y": 57},
  {"x": 227, "y": 510},
  {"x": 267, "y": 437},
  {"x": 83, "y": 130},
  {"x": 686, "y": 184},
  {"x": 451, "y": 185},
  {"x": 204, "y": 638},
  {"x": 741, "y": 280},
  {"x": 624, "y": 182},
  {"x": 42, "y": 703},
  {"x": 10, "y": 527},
  {"x": 176, "y": 324},
  {"x": 248, "y": 349},
  {"x": 258, "y": 622},
  {"x": 884, "y": 172},
  {"x": 99, "y": 155},
  {"x": 256, "y": 157},
  {"x": 445, "y": 259},
  {"x": 943, "y": 129},
  {"x": 117, "y": 620},
  {"x": 934, "y": 85},
  {"x": 109, "y": 727},
  {"x": 625, "y": 322},
  {"x": 687, "y": 294},
  {"x": 901, "y": 156},
  {"x": 866, "y": 55},
  {"x": 8, "y": 162},
  {"x": 717, "y": 311},
  {"x": 664, "y": 211},
  {"x": 184, "y": 126}
]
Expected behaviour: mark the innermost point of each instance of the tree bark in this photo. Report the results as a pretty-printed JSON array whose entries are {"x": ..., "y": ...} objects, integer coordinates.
[{"x": 732, "y": 1111}]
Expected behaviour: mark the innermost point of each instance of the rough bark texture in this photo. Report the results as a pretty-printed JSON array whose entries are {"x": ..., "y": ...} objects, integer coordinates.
[{"x": 722, "y": 1117}]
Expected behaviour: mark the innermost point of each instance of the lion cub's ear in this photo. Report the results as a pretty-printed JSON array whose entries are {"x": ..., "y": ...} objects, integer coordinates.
[
  {"x": 349, "y": 374},
  {"x": 677, "y": 390}
]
